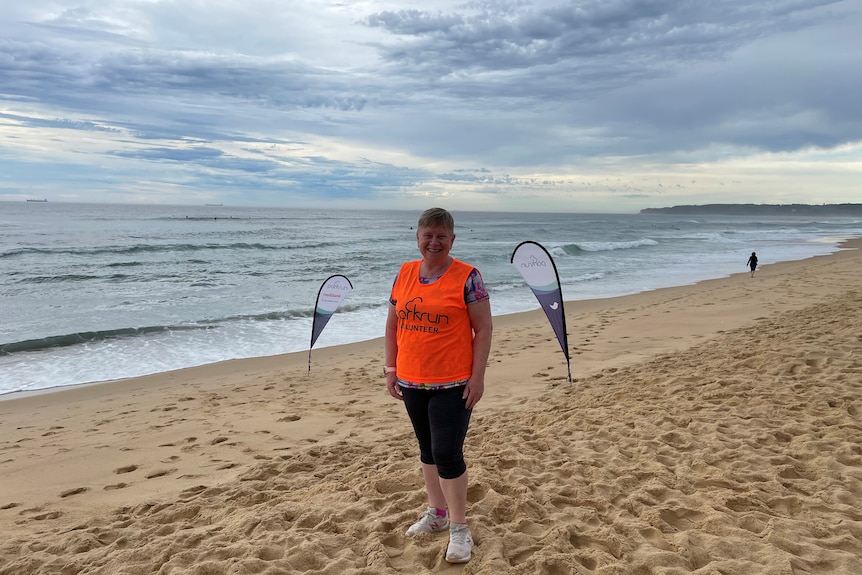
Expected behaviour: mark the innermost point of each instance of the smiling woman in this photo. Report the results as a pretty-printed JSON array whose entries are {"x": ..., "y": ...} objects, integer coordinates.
[{"x": 439, "y": 370}]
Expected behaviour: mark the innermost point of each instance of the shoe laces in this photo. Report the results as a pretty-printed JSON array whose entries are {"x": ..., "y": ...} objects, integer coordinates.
[{"x": 458, "y": 535}]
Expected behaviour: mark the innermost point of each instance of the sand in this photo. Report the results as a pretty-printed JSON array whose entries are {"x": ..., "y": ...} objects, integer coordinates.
[{"x": 710, "y": 429}]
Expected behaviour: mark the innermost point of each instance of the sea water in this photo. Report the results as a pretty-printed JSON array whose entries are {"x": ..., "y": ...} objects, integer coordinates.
[{"x": 99, "y": 292}]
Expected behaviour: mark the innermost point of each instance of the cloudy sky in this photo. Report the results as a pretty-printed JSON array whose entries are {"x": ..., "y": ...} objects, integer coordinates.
[{"x": 540, "y": 105}]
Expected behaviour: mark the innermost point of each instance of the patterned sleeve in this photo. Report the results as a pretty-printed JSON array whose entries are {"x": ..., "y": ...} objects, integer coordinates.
[
  {"x": 392, "y": 299},
  {"x": 474, "y": 289}
]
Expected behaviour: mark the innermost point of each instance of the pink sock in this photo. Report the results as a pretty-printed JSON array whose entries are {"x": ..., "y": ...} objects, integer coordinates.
[{"x": 440, "y": 512}]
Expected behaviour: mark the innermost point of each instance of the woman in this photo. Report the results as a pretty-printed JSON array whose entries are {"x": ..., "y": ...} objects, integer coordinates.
[
  {"x": 438, "y": 337},
  {"x": 752, "y": 263}
]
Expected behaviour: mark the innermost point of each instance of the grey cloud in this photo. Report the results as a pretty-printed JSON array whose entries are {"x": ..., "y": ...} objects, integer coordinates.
[
  {"x": 504, "y": 86},
  {"x": 415, "y": 22},
  {"x": 340, "y": 178},
  {"x": 61, "y": 123},
  {"x": 481, "y": 177},
  {"x": 646, "y": 32},
  {"x": 50, "y": 73},
  {"x": 199, "y": 154},
  {"x": 636, "y": 76}
]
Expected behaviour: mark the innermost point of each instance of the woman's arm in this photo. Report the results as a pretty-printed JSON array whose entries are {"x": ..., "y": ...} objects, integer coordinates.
[
  {"x": 483, "y": 327},
  {"x": 390, "y": 352}
]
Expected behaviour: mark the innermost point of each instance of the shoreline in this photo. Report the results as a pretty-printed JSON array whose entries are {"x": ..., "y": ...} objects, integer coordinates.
[
  {"x": 709, "y": 427},
  {"x": 505, "y": 319}
]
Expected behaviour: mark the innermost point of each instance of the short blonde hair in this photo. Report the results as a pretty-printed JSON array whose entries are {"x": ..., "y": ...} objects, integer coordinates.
[{"x": 437, "y": 217}]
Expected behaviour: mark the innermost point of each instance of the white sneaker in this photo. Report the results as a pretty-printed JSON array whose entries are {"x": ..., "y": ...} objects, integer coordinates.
[
  {"x": 460, "y": 548},
  {"x": 430, "y": 522}
]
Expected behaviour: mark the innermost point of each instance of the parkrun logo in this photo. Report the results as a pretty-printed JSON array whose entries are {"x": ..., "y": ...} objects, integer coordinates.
[
  {"x": 337, "y": 285},
  {"x": 534, "y": 263},
  {"x": 414, "y": 319}
]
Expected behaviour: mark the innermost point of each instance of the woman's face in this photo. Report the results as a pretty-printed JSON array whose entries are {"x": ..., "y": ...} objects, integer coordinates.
[{"x": 434, "y": 243}]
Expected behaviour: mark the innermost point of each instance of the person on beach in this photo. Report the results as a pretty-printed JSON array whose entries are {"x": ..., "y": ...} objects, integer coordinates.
[
  {"x": 438, "y": 338},
  {"x": 752, "y": 263}
]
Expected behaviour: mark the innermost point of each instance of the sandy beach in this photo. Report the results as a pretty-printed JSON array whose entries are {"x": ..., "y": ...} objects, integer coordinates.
[{"x": 710, "y": 429}]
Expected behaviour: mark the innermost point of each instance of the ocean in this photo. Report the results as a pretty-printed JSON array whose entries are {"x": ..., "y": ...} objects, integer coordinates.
[{"x": 93, "y": 292}]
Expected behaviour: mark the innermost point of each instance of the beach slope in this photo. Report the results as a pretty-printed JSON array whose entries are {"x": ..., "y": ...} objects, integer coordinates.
[{"x": 714, "y": 428}]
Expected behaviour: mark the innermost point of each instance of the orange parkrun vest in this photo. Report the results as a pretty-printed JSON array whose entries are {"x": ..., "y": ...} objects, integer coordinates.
[{"x": 435, "y": 337}]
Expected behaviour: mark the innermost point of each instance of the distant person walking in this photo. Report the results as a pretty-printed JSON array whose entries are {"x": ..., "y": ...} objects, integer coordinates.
[{"x": 752, "y": 263}]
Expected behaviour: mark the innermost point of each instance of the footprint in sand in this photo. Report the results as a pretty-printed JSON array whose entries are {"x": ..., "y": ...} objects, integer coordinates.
[
  {"x": 115, "y": 486},
  {"x": 75, "y": 491},
  {"x": 191, "y": 444},
  {"x": 160, "y": 473},
  {"x": 126, "y": 469}
]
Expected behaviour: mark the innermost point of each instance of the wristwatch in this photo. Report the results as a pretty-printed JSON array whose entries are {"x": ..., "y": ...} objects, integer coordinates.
[{"x": 387, "y": 370}]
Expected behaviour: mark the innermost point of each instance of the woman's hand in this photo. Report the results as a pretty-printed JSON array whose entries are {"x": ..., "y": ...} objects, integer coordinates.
[
  {"x": 393, "y": 387},
  {"x": 473, "y": 391}
]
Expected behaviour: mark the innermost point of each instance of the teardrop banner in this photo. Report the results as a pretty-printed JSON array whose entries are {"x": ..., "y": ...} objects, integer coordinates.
[
  {"x": 330, "y": 295},
  {"x": 537, "y": 268}
]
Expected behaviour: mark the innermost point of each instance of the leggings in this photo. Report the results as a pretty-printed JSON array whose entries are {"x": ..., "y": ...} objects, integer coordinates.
[{"x": 440, "y": 422}]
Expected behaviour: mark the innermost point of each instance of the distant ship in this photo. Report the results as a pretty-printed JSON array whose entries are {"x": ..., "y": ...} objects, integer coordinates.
[{"x": 37, "y": 200}]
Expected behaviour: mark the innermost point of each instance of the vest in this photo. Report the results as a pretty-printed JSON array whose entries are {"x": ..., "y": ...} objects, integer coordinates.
[{"x": 435, "y": 337}]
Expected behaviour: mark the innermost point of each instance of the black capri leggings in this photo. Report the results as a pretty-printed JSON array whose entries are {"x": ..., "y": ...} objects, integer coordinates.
[{"x": 440, "y": 422}]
